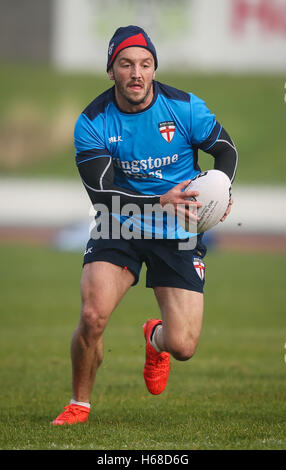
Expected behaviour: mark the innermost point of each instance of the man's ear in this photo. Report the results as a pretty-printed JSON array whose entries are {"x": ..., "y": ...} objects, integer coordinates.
[{"x": 111, "y": 74}]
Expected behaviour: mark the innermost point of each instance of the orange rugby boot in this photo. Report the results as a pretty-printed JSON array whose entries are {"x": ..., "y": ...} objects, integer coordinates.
[
  {"x": 73, "y": 414},
  {"x": 157, "y": 365}
]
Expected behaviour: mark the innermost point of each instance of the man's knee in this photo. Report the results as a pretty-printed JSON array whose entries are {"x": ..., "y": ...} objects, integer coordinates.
[
  {"x": 182, "y": 350},
  {"x": 93, "y": 320}
]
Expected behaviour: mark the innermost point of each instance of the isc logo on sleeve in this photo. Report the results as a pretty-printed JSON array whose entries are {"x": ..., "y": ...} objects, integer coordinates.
[{"x": 114, "y": 139}]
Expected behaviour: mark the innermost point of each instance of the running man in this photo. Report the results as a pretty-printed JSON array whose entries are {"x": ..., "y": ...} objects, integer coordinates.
[{"x": 137, "y": 147}]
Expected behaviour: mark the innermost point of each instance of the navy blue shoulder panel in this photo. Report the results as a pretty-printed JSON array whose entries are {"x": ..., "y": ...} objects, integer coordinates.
[
  {"x": 172, "y": 93},
  {"x": 98, "y": 105}
]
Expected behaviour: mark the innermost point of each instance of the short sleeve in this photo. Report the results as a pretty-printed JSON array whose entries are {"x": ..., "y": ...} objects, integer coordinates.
[
  {"x": 204, "y": 127},
  {"x": 89, "y": 139}
]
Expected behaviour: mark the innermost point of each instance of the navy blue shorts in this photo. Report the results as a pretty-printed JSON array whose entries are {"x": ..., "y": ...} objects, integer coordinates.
[{"x": 166, "y": 265}]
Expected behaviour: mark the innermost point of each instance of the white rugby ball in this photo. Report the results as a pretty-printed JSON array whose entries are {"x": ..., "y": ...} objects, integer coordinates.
[{"x": 214, "y": 187}]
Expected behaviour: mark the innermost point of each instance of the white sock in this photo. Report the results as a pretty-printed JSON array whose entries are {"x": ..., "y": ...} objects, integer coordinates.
[
  {"x": 81, "y": 403},
  {"x": 153, "y": 341}
]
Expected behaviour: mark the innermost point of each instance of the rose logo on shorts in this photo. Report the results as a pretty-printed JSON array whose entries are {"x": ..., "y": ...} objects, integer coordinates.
[
  {"x": 199, "y": 267},
  {"x": 167, "y": 130}
]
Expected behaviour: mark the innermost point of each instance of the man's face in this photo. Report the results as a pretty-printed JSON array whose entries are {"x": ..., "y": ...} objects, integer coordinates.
[{"x": 133, "y": 72}]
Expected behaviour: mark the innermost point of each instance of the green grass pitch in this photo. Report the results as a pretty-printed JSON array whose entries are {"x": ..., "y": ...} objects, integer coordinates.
[{"x": 230, "y": 395}]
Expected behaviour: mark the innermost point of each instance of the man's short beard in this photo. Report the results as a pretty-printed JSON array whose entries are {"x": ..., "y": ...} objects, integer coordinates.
[
  {"x": 133, "y": 102},
  {"x": 130, "y": 100}
]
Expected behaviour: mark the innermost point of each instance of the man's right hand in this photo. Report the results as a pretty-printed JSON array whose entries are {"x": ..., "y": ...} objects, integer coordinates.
[{"x": 181, "y": 201}]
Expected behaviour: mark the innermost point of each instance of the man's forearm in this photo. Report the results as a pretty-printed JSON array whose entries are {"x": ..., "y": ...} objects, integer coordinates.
[
  {"x": 225, "y": 155},
  {"x": 97, "y": 176}
]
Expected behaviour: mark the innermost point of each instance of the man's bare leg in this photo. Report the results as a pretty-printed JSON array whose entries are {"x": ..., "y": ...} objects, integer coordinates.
[
  {"x": 102, "y": 287},
  {"x": 177, "y": 334},
  {"x": 182, "y": 316}
]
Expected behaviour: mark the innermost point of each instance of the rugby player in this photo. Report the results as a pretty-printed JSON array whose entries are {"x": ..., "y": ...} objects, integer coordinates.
[{"x": 137, "y": 143}]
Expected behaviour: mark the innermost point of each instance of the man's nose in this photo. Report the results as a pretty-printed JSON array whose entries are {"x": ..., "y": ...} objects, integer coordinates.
[{"x": 136, "y": 71}]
